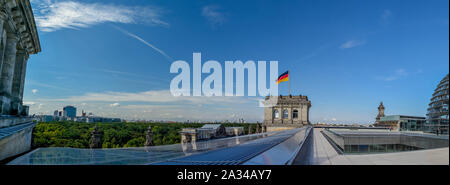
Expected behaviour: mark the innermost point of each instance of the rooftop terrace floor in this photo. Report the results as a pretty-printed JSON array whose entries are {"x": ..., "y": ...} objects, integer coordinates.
[
  {"x": 267, "y": 147},
  {"x": 323, "y": 153}
]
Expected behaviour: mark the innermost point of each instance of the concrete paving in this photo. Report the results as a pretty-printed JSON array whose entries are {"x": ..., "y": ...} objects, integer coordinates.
[{"x": 324, "y": 154}]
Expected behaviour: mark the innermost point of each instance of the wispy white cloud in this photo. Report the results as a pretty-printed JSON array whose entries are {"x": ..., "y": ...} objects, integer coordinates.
[
  {"x": 352, "y": 44},
  {"x": 401, "y": 72},
  {"x": 385, "y": 17},
  {"x": 35, "y": 105},
  {"x": 53, "y": 15},
  {"x": 156, "y": 105},
  {"x": 114, "y": 104},
  {"x": 213, "y": 14},
  {"x": 156, "y": 96},
  {"x": 316, "y": 52},
  {"x": 397, "y": 74},
  {"x": 386, "y": 14},
  {"x": 145, "y": 42},
  {"x": 35, "y": 83},
  {"x": 134, "y": 75},
  {"x": 29, "y": 103},
  {"x": 34, "y": 91}
]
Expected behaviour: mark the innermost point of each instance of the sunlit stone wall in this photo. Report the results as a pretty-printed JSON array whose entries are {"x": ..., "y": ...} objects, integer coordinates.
[
  {"x": 18, "y": 40},
  {"x": 289, "y": 112}
]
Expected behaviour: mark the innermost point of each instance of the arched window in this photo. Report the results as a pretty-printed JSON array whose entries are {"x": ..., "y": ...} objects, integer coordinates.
[
  {"x": 295, "y": 114},
  {"x": 285, "y": 113},
  {"x": 276, "y": 114}
]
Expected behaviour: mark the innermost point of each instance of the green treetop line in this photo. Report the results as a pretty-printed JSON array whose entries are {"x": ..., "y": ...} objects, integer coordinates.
[{"x": 115, "y": 135}]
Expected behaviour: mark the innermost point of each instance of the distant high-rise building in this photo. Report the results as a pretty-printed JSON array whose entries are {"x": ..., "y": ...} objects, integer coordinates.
[
  {"x": 70, "y": 111},
  {"x": 437, "y": 120},
  {"x": 55, "y": 113}
]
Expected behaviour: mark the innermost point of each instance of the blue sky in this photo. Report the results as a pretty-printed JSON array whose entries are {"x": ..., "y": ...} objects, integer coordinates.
[{"x": 112, "y": 58}]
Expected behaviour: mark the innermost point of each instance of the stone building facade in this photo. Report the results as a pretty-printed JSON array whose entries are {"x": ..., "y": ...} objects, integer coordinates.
[
  {"x": 18, "y": 40},
  {"x": 290, "y": 111}
]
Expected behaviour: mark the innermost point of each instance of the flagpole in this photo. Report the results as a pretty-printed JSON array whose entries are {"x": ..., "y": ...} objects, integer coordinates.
[{"x": 289, "y": 82}]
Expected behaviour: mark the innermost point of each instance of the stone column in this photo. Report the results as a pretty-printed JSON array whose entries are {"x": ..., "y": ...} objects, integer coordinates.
[
  {"x": 183, "y": 138},
  {"x": 307, "y": 115},
  {"x": 96, "y": 138},
  {"x": 194, "y": 143},
  {"x": 7, "y": 73},
  {"x": 271, "y": 115},
  {"x": 291, "y": 116},
  {"x": 300, "y": 113},
  {"x": 149, "y": 137},
  {"x": 257, "y": 129},
  {"x": 2, "y": 39},
  {"x": 18, "y": 82}
]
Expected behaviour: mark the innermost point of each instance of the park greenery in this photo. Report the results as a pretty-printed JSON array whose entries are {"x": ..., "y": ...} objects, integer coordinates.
[{"x": 114, "y": 135}]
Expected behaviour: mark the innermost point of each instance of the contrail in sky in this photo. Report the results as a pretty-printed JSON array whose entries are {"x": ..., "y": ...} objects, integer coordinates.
[{"x": 143, "y": 41}]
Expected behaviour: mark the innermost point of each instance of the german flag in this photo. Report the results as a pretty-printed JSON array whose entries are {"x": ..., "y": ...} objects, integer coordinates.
[{"x": 283, "y": 77}]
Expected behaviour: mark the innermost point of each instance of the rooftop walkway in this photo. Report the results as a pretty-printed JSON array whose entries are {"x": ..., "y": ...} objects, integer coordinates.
[
  {"x": 295, "y": 146},
  {"x": 322, "y": 153},
  {"x": 248, "y": 151}
]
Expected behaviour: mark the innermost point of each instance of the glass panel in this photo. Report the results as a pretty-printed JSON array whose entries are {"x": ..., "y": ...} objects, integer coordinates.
[
  {"x": 363, "y": 148},
  {"x": 285, "y": 114}
]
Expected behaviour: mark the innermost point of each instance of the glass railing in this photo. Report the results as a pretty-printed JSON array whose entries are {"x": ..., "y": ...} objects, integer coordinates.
[
  {"x": 129, "y": 156},
  {"x": 360, "y": 142}
]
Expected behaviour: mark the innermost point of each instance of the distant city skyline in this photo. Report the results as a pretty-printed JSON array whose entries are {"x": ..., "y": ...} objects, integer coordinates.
[{"x": 346, "y": 57}]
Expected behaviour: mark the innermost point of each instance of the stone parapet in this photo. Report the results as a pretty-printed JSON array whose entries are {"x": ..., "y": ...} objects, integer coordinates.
[
  {"x": 15, "y": 140},
  {"x": 277, "y": 127},
  {"x": 7, "y": 121}
]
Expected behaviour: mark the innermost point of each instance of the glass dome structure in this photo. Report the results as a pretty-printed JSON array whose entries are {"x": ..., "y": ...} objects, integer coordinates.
[{"x": 437, "y": 116}]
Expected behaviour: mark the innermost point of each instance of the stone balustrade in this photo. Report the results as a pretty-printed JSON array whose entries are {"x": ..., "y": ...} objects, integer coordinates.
[
  {"x": 15, "y": 135},
  {"x": 11, "y": 121}
]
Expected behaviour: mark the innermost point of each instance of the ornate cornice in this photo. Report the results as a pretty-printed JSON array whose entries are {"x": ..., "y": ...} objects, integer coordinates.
[
  {"x": 20, "y": 21},
  {"x": 3, "y": 12}
]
